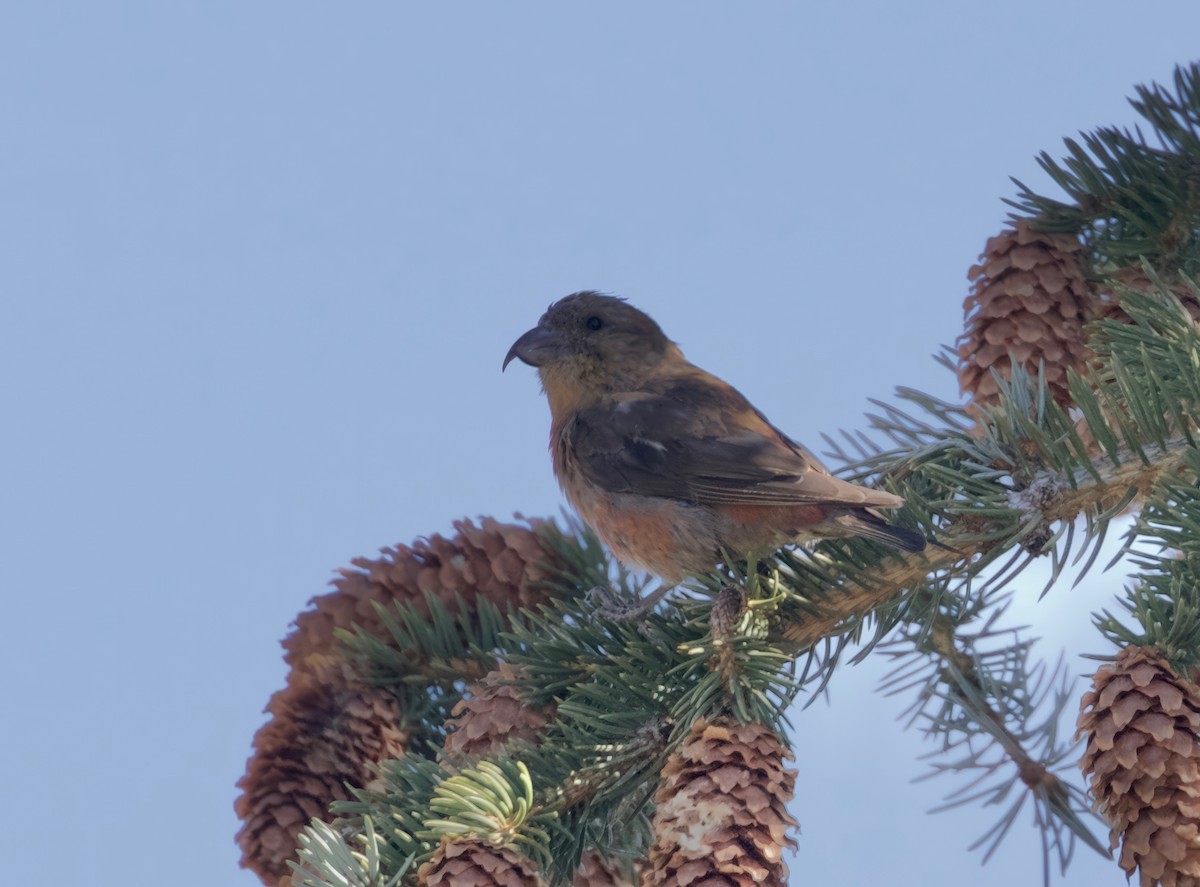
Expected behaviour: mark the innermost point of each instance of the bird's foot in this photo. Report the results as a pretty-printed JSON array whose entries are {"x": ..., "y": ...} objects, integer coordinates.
[{"x": 617, "y": 606}]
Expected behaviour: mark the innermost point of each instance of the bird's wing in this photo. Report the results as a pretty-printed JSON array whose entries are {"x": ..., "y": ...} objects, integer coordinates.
[{"x": 702, "y": 442}]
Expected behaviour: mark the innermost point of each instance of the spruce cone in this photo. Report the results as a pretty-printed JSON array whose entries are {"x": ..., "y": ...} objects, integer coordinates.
[
  {"x": 321, "y": 736},
  {"x": 596, "y": 871},
  {"x": 1108, "y": 306},
  {"x": 721, "y": 809},
  {"x": 1135, "y": 278},
  {"x": 475, "y": 864},
  {"x": 1142, "y": 760},
  {"x": 727, "y": 609},
  {"x": 1029, "y": 299},
  {"x": 504, "y": 563},
  {"x": 491, "y": 714},
  {"x": 327, "y": 727}
]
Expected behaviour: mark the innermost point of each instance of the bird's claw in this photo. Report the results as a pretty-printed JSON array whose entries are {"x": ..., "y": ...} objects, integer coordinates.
[{"x": 619, "y": 606}]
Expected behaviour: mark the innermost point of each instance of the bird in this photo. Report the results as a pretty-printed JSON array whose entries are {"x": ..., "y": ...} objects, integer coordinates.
[{"x": 670, "y": 466}]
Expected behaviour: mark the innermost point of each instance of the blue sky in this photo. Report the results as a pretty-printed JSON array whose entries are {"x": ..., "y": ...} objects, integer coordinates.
[{"x": 260, "y": 265}]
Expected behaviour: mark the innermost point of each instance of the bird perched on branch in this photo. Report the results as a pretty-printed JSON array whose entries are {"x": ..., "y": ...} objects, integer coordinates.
[{"x": 668, "y": 464}]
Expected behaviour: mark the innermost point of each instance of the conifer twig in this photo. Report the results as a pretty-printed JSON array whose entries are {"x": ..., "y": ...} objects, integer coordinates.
[{"x": 856, "y": 599}]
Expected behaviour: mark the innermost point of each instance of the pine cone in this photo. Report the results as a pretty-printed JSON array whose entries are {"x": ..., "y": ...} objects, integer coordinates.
[
  {"x": 491, "y": 714},
  {"x": 1107, "y": 305},
  {"x": 721, "y": 808},
  {"x": 503, "y": 563},
  {"x": 327, "y": 727},
  {"x": 727, "y": 609},
  {"x": 1029, "y": 299},
  {"x": 1135, "y": 278},
  {"x": 1141, "y": 720},
  {"x": 321, "y": 736},
  {"x": 475, "y": 864},
  {"x": 596, "y": 871}
]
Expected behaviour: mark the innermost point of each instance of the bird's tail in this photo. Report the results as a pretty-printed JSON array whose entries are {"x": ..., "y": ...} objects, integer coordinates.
[{"x": 868, "y": 524}]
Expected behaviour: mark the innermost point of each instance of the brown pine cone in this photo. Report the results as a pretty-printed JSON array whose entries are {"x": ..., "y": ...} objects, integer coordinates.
[
  {"x": 1029, "y": 299},
  {"x": 475, "y": 864},
  {"x": 506, "y": 563},
  {"x": 1135, "y": 278},
  {"x": 321, "y": 736},
  {"x": 327, "y": 726},
  {"x": 721, "y": 809},
  {"x": 492, "y": 713},
  {"x": 1107, "y": 305},
  {"x": 596, "y": 871},
  {"x": 1142, "y": 721},
  {"x": 727, "y": 609}
]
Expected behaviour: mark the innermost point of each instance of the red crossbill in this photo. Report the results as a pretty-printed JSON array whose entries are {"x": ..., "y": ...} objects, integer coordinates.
[{"x": 669, "y": 465}]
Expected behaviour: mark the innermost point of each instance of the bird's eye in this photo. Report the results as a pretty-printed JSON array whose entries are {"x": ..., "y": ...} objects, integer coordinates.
[{"x": 594, "y": 322}]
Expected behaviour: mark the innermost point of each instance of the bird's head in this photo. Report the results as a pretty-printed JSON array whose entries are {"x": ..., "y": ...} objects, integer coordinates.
[{"x": 591, "y": 343}]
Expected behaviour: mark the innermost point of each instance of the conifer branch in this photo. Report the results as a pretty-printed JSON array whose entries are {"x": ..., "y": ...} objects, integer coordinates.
[{"x": 1055, "y": 497}]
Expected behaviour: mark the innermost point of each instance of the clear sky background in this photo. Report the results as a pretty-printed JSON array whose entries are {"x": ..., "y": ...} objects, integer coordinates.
[{"x": 259, "y": 265}]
